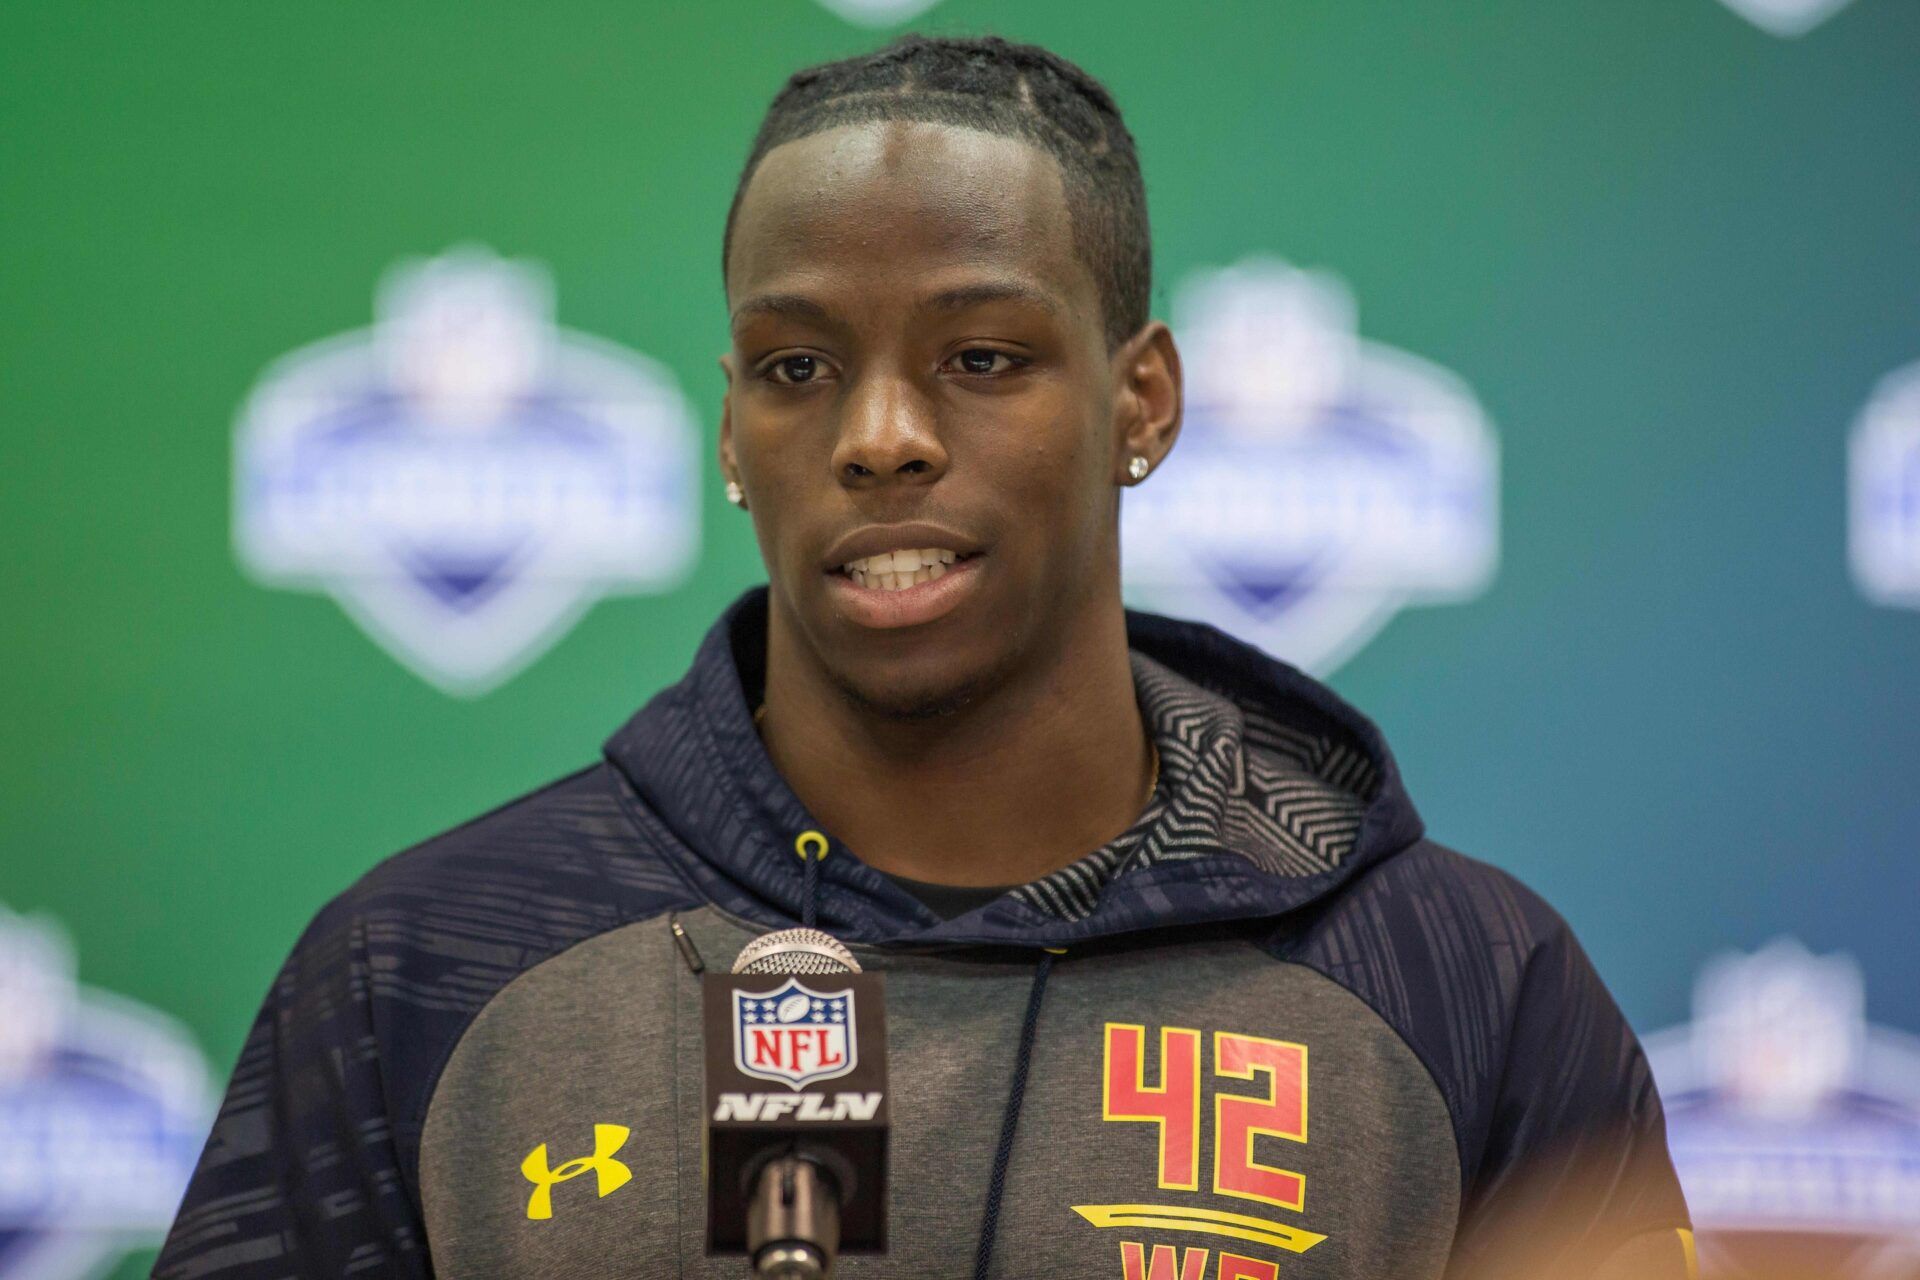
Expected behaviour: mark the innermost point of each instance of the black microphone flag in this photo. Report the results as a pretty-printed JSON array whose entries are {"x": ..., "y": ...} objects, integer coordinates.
[{"x": 796, "y": 1067}]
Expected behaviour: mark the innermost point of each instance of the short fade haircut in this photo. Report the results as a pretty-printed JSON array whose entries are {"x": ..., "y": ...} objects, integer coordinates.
[{"x": 1015, "y": 90}]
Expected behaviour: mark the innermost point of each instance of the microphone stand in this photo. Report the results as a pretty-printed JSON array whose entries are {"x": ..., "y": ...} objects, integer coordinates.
[{"x": 793, "y": 1223}]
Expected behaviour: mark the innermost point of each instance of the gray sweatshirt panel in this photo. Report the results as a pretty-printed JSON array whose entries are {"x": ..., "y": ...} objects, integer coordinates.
[{"x": 607, "y": 1033}]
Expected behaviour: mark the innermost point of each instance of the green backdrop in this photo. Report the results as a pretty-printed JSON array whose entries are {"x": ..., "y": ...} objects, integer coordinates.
[{"x": 1670, "y": 252}]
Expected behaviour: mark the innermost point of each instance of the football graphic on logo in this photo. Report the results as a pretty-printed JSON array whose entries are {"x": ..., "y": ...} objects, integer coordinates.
[{"x": 794, "y": 1034}]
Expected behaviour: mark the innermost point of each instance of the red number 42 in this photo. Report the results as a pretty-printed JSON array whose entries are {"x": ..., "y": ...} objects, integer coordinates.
[{"x": 1174, "y": 1105}]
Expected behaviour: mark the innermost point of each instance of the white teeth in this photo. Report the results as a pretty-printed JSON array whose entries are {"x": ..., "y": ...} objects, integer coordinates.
[{"x": 898, "y": 570}]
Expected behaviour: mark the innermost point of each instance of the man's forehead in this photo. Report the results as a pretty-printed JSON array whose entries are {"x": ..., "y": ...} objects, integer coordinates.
[
  {"x": 936, "y": 298},
  {"x": 896, "y": 197}
]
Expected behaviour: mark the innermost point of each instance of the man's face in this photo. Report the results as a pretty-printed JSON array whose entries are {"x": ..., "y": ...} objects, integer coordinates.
[{"x": 919, "y": 365}]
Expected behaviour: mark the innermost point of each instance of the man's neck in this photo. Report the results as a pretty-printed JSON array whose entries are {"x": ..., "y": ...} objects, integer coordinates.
[{"x": 1035, "y": 774}]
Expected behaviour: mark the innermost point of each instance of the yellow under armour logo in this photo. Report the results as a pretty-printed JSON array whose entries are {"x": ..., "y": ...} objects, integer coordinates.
[{"x": 607, "y": 1139}]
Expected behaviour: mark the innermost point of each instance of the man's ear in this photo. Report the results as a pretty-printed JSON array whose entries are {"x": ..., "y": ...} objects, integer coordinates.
[
  {"x": 729, "y": 465},
  {"x": 1147, "y": 401}
]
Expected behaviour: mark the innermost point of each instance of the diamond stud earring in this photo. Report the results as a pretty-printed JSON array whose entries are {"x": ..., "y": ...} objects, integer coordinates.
[
  {"x": 735, "y": 494},
  {"x": 1138, "y": 468}
]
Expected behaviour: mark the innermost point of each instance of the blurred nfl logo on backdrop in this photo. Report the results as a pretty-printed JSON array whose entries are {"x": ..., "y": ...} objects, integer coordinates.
[
  {"x": 1322, "y": 482},
  {"x": 104, "y": 1106},
  {"x": 1787, "y": 17},
  {"x": 1793, "y": 1123},
  {"x": 465, "y": 478},
  {"x": 1884, "y": 503},
  {"x": 877, "y": 13}
]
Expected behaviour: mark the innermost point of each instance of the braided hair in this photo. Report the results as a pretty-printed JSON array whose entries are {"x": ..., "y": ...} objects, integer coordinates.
[{"x": 1015, "y": 90}]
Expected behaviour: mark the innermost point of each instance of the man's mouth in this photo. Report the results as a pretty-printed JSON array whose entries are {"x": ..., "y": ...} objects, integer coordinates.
[{"x": 900, "y": 570}]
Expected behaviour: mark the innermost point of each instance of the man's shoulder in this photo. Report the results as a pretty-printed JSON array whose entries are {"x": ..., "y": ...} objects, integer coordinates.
[
  {"x": 404, "y": 959},
  {"x": 549, "y": 833},
  {"x": 1430, "y": 907},
  {"x": 1471, "y": 968},
  {"x": 456, "y": 916}
]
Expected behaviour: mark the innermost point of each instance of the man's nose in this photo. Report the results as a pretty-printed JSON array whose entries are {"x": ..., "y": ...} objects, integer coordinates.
[{"x": 887, "y": 436}]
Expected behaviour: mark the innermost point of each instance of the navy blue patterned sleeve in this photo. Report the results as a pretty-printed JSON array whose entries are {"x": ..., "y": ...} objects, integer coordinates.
[
  {"x": 1564, "y": 1172},
  {"x": 1573, "y": 1169},
  {"x": 301, "y": 1176},
  {"x": 313, "y": 1166}
]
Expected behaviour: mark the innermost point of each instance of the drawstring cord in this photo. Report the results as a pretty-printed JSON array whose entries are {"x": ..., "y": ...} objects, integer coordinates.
[
  {"x": 996, "y": 1185},
  {"x": 810, "y": 892},
  {"x": 810, "y": 845},
  {"x": 812, "y": 848}
]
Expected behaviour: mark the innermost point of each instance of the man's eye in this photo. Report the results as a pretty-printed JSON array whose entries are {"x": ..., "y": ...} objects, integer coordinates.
[
  {"x": 981, "y": 360},
  {"x": 789, "y": 370}
]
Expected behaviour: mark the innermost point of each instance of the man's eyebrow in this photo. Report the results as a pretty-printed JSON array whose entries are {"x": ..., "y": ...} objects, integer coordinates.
[
  {"x": 973, "y": 295},
  {"x": 779, "y": 304}
]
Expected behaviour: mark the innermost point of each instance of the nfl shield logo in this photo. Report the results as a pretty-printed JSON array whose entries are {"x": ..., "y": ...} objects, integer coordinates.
[
  {"x": 1786, "y": 18},
  {"x": 1322, "y": 482},
  {"x": 1884, "y": 504},
  {"x": 794, "y": 1034},
  {"x": 465, "y": 478},
  {"x": 104, "y": 1108},
  {"x": 1793, "y": 1122},
  {"x": 877, "y": 13}
]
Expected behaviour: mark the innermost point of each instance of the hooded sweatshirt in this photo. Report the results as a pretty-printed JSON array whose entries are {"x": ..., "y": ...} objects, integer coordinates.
[{"x": 1271, "y": 1030}]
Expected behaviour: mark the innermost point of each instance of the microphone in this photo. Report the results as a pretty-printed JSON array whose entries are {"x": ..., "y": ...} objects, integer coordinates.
[{"x": 796, "y": 1096}]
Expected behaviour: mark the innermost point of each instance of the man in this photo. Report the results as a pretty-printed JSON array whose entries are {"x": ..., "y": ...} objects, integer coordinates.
[{"x": 1180, "y": 989}]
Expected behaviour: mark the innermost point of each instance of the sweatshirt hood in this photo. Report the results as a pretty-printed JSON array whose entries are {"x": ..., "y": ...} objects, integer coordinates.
[{"x": 1273, "y": 793}]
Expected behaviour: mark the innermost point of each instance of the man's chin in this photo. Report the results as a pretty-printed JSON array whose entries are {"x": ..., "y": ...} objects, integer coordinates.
[
  {"x": 920, "y": 673},
  {"x": 911, "y": 702},
  {"x": 908, "y": 699}
]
